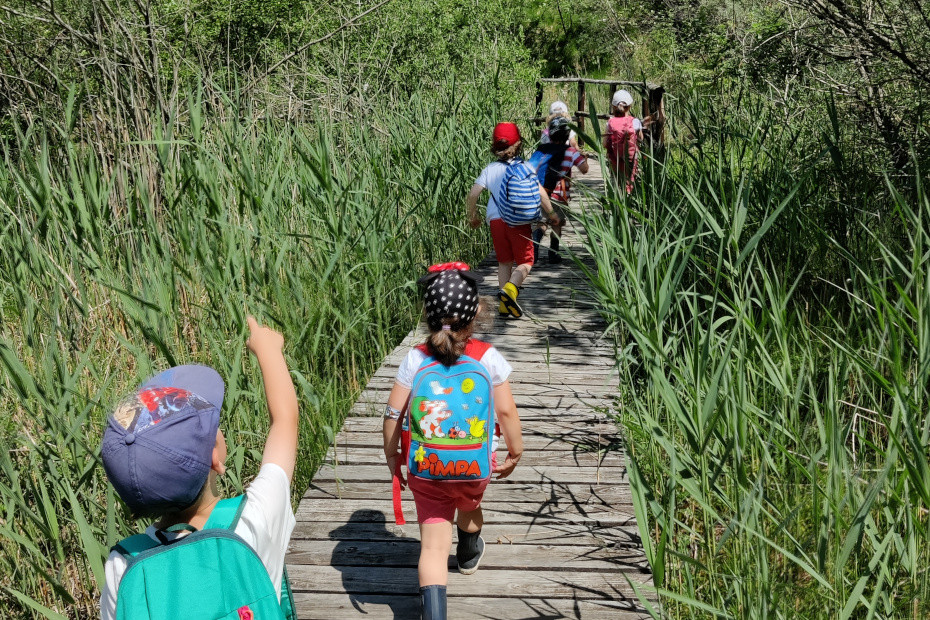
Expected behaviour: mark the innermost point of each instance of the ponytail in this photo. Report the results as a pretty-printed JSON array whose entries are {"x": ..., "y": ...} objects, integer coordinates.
[{"x": 448, "y": 344}]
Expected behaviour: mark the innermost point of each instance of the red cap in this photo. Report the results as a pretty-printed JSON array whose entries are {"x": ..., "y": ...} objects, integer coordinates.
[{"x": 506, "y": 134}]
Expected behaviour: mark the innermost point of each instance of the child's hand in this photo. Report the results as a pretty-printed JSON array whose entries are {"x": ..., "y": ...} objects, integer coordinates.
[
  {"x": 263, "y": 340},
  {"x": 392, "y": 466},
  {"x": 474, "y": 221},
  {"x": 508, "y": 466}
]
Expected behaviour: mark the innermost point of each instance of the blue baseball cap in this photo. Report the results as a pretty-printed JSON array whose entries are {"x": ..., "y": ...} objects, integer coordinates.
[{"x": 158, "y": 445}]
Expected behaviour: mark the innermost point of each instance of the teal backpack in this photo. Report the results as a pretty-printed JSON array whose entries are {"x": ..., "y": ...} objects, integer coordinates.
[{"x": 211, "y": 573}]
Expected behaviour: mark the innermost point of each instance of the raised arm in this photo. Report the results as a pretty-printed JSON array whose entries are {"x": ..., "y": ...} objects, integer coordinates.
[
  {"x": 509, "y": 420},
  {"x": 268, "y": 347}
]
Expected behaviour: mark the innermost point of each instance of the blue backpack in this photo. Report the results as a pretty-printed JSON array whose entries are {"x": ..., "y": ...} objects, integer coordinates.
[
  {"x": 547, "y": 162},
  {"x": 518, "y": 196},
  {"x": 211, "y": 573}
]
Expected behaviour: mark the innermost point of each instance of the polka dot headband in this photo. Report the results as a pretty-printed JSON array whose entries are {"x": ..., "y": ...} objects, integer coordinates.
[{"x": 451, "y": 293}]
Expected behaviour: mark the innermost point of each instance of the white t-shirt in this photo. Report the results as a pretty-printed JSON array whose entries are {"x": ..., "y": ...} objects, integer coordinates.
[
  {"x": 492, "y": 360},
  {"x": 637, "y": 124},
  {"x": 266, "y": 524},
  {"x": 490, "y": 179}
]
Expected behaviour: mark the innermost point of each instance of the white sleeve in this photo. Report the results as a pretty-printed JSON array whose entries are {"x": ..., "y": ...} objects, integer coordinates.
[
  {"x": 113, "y": 571},
  {"x": 409, "y": 367},
  {"x": 497, "y": 366},
  {"x": 267, "y": 519},
  {"x": 637, "y": 125},
  {"x": 483, "y": 179}
]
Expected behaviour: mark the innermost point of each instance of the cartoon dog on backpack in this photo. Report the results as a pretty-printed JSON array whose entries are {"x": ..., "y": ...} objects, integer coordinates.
[{"x": 438, "y": 411}]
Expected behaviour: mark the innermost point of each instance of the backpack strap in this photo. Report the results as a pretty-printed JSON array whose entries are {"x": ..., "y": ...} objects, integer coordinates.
[
  {"x": 226, "y": 514},
  {"x": 287, "y": 597},
  {"x": 476, "y": 349},
  {"x": 397, "y": 479},
  {"x": 134, "y": 545}
]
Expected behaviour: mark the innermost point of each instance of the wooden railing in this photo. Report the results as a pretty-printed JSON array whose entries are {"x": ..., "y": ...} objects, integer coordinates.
[{"x": 653, "y": 106}]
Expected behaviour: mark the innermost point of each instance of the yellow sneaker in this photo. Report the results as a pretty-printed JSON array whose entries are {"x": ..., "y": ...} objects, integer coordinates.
[{"x": 508, "y": 299}]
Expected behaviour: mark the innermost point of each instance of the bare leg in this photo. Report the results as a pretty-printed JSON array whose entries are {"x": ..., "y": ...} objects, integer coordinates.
[
  {"x": 470, "y": 521},
  {"x": 520, "y": 274},
  {"x": 503, "y": 273},
  {"x": 435, "y": 545}
]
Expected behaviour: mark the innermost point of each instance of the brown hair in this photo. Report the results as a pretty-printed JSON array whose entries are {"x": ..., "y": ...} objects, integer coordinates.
[
  {"x": 447, "y": 345},
  {"x": 509, "y": 152}
]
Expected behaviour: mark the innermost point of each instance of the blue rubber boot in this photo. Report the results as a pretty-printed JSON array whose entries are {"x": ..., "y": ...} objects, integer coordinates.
[
  {"x": 433, "y": 602},
  {"x": 537, "y": 237}
]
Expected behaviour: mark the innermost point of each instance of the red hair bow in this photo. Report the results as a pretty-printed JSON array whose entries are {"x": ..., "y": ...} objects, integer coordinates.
[{"x": 456, "y": 266}]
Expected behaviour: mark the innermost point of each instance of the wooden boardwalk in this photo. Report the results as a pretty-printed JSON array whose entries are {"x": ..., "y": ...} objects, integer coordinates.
[{"x": 561, "y": 534}]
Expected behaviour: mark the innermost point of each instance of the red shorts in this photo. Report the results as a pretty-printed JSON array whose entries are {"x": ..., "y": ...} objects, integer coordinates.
[
  {"x": 512, "y": 244},
  {"x": 437, "y": 501}
]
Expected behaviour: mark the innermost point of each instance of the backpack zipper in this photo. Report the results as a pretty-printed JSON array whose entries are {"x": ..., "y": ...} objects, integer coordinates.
[{"x": 449, "y": 446}]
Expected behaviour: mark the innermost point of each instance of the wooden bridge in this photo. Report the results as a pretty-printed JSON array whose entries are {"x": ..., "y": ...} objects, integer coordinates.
[{"x": 561, "y": 534}]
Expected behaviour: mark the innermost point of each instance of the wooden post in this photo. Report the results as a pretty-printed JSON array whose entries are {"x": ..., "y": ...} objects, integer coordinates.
[
  {"x": 654, "y": 107},
  {"x": 539, "y": 98},
  {"x": 582, "y": 105}
]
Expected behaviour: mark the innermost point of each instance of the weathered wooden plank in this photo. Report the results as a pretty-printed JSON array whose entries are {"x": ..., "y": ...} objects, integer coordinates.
[
  {"x": 548, "y": 532},
  {"x": 560, "y": 510},
  {"x": 561, "y": 426},
  {"x": 531, "y": 386},
  {"x": 540, "y": 372},
  {"x": 577, "y": 402},
  {"x": 608, "y": 495},
  {"x": 525, "y": 472},
  {"x": 533, "y": 556},
  {"x": 528, "y": 410},
  {"x": 597, "y": 585},
  {"x": 531, "y": 442},
  {"x": 327, "y": 606},
  {"x": 374, "y": 455}
]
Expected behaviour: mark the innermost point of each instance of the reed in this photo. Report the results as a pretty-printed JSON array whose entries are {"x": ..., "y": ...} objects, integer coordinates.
[
  {"x": 114, "y": 265},
  {"x": 775, "y": 407}
]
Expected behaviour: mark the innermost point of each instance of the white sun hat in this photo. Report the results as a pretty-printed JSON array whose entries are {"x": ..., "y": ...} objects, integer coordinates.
[
  {"x": 558, "y": 107},
  {"x": 622, "y": 98}
]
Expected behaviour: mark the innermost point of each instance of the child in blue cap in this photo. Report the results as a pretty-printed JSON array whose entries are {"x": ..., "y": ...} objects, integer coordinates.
[{"x": 163, "y": 452}]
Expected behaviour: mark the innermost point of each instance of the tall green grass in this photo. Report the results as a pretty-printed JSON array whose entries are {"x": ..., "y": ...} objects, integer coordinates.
[
  {"x": 777, "y": 409},
  {"x": 117, "y": 263}
]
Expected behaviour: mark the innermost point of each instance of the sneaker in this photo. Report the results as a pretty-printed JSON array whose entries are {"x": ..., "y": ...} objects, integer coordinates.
[
  {"x": 508, "y": 298},
  {"x": 470, "y": 566},
  {"x": 554, "y": 258}
]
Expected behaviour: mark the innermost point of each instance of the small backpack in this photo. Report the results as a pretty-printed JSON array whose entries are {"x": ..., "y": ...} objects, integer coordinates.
[
  {"x": 518, "y": 196},
  {"x": 449, "y": 425},
  {"x": 171, "y": 580},
  {"x": 621, "y": 139},
  {"x": 547, "y": 161}
]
